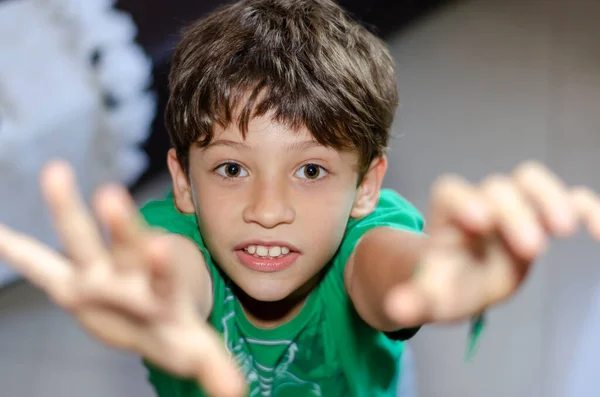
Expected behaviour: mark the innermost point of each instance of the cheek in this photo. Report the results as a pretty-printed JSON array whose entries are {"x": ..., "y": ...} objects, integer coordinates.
[
  {"x": 215, "y": 224},
  {"x": 324, "y": 219},
  {"x": 218, "y": 213}
]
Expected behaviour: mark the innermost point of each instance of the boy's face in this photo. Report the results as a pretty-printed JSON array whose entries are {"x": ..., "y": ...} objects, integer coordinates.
[{"x": 272, "y": 208}]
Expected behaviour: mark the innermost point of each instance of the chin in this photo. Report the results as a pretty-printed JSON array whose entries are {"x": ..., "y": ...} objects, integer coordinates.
[
  {"x": 267, "y": 291},
  {"x": 269, "y": 287}
]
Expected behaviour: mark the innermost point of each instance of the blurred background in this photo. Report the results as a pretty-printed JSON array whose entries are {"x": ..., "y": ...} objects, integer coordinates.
[{"x": 484, "y": 85}]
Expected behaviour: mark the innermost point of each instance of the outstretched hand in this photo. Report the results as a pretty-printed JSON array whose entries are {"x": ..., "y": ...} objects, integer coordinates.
[
  {"x": 484, "y": 238},
  {"x": 134, "y": 293}
]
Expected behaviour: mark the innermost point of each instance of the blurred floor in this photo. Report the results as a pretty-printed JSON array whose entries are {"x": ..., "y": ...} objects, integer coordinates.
[{"x": 486, "y": 74}]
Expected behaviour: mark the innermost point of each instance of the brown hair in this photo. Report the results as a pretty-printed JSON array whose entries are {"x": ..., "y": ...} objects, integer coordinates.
[{"x": 305, "y": 61}]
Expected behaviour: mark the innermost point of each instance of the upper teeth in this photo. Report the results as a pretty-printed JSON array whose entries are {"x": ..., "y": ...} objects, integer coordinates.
[{"x": 273, "y": 251}]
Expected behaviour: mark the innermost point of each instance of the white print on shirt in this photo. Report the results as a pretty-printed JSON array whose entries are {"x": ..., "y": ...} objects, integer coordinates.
[{"x": 259, "y": 384}]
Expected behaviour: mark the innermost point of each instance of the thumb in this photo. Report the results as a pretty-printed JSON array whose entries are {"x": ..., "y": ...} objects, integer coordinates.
[
  {"x": 216, "y": 370},
  {"x": 409, "y": 305}
]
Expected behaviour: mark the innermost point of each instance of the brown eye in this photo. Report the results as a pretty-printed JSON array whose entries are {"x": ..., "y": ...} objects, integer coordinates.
[
  {"x": 231, "y": 170},
  {"x": 311, "y": 172}
]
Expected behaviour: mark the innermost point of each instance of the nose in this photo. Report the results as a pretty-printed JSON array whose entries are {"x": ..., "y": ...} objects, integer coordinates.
[{"x": 269, "y": 206}]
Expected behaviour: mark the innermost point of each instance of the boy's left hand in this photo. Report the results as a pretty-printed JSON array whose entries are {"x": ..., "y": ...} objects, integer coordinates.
[{"x": 483, "y": 240}]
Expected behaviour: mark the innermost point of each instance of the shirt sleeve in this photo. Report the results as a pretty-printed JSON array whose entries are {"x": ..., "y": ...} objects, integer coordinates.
[
  {"x": 164, "y": 215},
  {"x": 392, "y": 211}
]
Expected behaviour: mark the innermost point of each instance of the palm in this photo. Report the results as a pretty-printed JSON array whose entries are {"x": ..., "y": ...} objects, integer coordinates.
[
  {"x": 135, "y": 295},
  {"x": 484, "y": 238},
  {"x": 461, "y": 272}
]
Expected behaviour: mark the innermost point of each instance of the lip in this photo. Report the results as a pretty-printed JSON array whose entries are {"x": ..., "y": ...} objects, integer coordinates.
[
  {"x": 240, "y": 247},
  {"x": 266, "y": 265}
]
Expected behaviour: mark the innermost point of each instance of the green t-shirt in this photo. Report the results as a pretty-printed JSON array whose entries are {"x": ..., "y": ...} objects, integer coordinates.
[{"x": 326, "y": 350}]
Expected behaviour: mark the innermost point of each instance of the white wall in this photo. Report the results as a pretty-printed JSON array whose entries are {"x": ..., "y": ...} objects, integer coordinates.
[{"x": 484, "y": 85}]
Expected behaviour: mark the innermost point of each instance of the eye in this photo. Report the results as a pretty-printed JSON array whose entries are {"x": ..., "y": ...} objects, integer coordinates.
[
  {"x": 311, "y": 172},
  {"x": 231, "y": 170}
]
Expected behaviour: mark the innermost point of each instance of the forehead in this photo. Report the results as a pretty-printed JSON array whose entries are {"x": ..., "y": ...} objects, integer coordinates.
[{"x": 263, "y": 129}]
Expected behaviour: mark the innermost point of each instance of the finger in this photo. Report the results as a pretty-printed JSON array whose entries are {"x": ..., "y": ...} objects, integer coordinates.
[
  {"x": 515, "y": 218},
  {"x": 408, "y": 305},
  {"x": 503, "y": 274},
  {"x": 196, "y": 351},
  {"x": 78, "y": 231},
  {"x": 216, "y": 370},
  {"x": 116, "y": 210},
  {"x": 38, "y": 263},
  {"x": 549, "y": 195},
  {"x": 157, "y": 253},
  {"x": 170, "y": 274},
  {"x": 456, "y": 201},
  {"x": 587, "y": 204}
]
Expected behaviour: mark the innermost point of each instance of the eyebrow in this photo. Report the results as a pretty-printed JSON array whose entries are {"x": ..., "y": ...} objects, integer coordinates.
[
  {"x": 245, "y": 147},
  {"x": 223, "y": 142}
]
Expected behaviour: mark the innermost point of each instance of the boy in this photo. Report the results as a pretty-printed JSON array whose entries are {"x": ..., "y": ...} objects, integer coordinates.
[{"x": 277, "y": 234}]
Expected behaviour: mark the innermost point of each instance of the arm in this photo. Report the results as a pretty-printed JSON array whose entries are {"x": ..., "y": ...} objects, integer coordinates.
[
  {"x": 482, "y": 240},
  {"x": 382, "y": 259}
]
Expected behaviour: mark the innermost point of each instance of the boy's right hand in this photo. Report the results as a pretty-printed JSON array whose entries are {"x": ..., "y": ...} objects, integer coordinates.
[{"x": 135, "y": 294}]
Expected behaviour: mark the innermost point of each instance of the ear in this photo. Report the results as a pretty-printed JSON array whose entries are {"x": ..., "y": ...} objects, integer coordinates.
[
  {"x": 182, "y": 190},
  {"x": 367, "y": 196}
]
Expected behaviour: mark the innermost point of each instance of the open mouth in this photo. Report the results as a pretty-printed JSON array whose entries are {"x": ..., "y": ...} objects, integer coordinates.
[
  {"x": 272, "y": 252},
  {"x": 267, "y": 258}
]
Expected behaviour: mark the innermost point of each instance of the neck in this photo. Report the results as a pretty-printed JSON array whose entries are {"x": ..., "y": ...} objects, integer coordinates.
[{"x": 269, "y": 315}]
